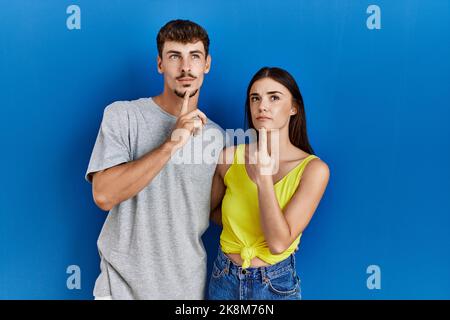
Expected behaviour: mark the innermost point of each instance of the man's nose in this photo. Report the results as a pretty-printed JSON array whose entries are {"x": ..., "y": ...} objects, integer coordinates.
[{"x": 186, "y": 66}]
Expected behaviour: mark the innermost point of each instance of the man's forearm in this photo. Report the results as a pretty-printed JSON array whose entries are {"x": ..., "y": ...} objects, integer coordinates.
[{"x": 124, "y": 181}]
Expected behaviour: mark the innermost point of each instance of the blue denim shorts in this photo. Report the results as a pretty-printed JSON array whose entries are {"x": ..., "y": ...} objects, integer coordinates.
[{"x": 275, "y": 282}]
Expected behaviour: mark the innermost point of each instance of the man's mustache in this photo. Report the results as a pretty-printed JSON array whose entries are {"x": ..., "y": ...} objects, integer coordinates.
[{"x": 184, "y": 75}]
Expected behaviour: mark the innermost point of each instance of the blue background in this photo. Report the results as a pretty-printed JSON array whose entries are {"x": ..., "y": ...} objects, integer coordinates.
[{"x": 377, "y": 104}]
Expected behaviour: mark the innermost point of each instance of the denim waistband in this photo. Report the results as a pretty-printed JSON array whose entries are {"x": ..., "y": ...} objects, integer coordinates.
[{"x": 271, "y": 271}]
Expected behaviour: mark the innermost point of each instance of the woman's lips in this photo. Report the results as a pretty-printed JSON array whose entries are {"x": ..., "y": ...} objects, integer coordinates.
[{"x": 263, "y": 118}]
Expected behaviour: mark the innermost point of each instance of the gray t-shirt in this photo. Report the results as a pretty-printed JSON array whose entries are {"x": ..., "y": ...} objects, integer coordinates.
[{"x": 150, "y": 245}]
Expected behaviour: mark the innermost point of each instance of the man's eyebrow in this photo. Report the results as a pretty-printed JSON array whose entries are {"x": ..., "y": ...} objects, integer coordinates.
[
  {"x": 173, "y": 51},
  {"x": 179, "y": 52},
  {"x": 197, "y": 51}
]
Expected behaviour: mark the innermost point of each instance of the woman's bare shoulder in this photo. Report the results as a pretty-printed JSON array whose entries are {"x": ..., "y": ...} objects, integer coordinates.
[
  {"x": 226, "y": 158},
  {"x": 317, "y": 169}
]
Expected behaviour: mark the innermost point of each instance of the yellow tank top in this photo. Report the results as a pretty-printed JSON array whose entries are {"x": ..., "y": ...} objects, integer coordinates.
[{"x": 242, "y": 231}]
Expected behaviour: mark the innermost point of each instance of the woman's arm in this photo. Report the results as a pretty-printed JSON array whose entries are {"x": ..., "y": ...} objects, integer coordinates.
[
  {"x": 281, "y": 228},
  {"x": 218, "y": 187},
  {"x": 217, "y": 192}
]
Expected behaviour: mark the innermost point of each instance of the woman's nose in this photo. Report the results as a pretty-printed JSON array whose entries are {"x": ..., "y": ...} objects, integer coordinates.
[{"x": 263, "y": 106}]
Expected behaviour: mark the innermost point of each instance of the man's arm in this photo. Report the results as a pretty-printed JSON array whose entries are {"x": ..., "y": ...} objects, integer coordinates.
[{"x": 119, "y": 183}]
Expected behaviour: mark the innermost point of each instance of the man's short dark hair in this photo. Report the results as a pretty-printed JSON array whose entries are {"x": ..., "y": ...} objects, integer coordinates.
[{"x": 183, "y": 31}]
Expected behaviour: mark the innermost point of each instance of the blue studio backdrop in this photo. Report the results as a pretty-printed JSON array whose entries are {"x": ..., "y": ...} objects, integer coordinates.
[{"x": 375, "y": 76}]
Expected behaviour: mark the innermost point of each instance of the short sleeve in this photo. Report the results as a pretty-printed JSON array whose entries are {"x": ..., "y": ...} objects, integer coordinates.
[{"x": 112, "y": 146}]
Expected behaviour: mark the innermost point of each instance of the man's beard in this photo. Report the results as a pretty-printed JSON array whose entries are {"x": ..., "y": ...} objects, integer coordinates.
[{"x": 181, "y": 94}]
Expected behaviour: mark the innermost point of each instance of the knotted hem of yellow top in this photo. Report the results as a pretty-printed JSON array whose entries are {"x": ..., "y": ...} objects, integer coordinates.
[{"x": 247, "y": 254}]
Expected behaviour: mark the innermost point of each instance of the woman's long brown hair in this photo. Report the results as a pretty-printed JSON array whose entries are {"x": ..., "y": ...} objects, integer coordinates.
[{"x": 297, "y": 124}]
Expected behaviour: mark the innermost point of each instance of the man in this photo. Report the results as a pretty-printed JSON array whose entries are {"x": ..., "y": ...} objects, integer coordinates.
[{"x": 150, "y": 245}]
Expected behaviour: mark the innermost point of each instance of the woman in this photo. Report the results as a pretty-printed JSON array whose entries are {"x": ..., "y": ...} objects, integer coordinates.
[{"x": 264, "y": 194}]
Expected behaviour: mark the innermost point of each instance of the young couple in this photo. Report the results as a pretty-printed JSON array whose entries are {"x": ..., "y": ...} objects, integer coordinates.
[{"x": 263, "y": 193}]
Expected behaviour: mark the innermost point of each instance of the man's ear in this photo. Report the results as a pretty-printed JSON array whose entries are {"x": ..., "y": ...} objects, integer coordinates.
[
  {"x": 159, "y": 64},
  {"x": 208, "y": 64}
]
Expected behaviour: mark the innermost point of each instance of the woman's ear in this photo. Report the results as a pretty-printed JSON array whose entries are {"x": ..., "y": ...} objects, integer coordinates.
[{"x": 293, "y": 110}]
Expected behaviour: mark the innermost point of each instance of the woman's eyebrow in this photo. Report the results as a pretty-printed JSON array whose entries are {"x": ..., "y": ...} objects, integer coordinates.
[{"x": 272, "y": 92}]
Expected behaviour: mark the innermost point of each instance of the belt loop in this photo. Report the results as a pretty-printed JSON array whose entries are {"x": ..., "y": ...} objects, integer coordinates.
[
  {"x": 293, "y": 260},
  {"x": 227, "y": 265},
  {"x": 263, "y": 275}
]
